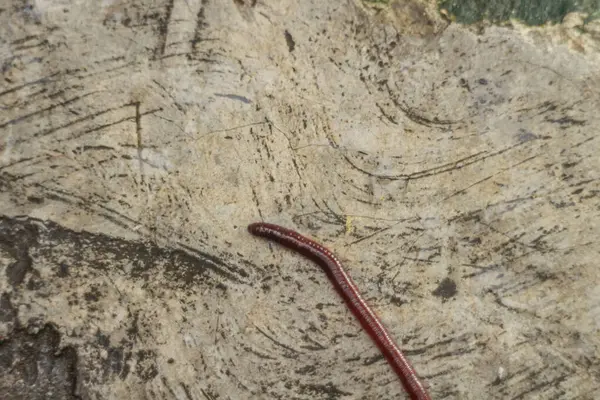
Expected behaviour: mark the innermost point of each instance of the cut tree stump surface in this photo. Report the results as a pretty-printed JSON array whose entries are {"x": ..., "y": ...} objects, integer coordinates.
[{"x": 454, "y": 169}]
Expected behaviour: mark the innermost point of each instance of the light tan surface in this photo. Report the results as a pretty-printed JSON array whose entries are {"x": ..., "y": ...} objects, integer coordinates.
[{"x": 455, "y": 171}]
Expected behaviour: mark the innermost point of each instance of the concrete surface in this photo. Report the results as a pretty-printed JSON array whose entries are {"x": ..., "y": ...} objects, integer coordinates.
[{"x": 454, "y": 170}]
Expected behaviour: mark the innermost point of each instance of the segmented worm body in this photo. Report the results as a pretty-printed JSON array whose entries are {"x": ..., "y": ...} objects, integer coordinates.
[{"x": 349, "y": 292}]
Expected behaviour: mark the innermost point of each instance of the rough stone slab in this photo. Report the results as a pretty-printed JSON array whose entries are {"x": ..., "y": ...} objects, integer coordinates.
[{"x": 454, "y": 170}]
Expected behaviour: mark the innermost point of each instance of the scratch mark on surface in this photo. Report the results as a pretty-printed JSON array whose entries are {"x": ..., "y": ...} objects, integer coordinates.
[
  {"x": 50, "y": 108},
  {"x": 208, "y": 396},
  {"x": 488, "y": 178},
  {"x": 234, "y": 97},
  {"x": 377, "y": 232},
  {"x": 163, "y": 30},
  {"x": 234, "y": 128},
  {"x": 138, "y": 132},
  {"x": 454, "y": 165},
  {"x": 386, "y": 115},
  {"x": 73, "y": 122},
  {"x": 186, "y": 389},
  {"x": 107, "y": 125},
  {"x": 275, "y": 341},
  {"x": 200, "y": 25},
  {"x": 37, "y": 81}
]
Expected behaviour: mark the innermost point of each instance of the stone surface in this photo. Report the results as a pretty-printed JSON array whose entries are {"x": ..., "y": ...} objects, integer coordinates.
[{"x": 454, "y": 170}]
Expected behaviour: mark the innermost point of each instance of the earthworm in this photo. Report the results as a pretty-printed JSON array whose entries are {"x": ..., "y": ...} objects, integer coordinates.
[{"x": 351, "y": 295}]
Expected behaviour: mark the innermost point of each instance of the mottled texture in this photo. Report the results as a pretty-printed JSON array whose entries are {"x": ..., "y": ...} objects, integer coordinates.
[
  {"x": 453, "y": 170},
  {"x": 533, "y": 12}
]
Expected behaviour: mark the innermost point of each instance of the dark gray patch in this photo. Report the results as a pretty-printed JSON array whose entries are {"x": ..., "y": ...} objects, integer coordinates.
[
  {"x": 103, "y": 340},
  {"x": 32, "y": 366},
  {"x": 7, "y": 312},
  {"x": 16, "y": 238},
  {"x": 234, "y": 97},
  {"x": 397, "y": 301},
  {"x": 562, "y": 204},
  {"x": 35, "y": 199},
  {"x": 17, "y": 271},
  {"x": 188, "y": 265},
  {"x": 327, "y": 391},
  {"x": 446, "y": 289},
  {"x": 93, "y": 295},
  {"x": 525, "y": 136},
  {"x": 146, "y": 367},
  {"x": 63, "y": 270},
  {"x": 290, "y": 41},
  {"x": 116, "y": 360},
  {"x": 565, "y": 122},
  {"x": 544, "y": 276}
]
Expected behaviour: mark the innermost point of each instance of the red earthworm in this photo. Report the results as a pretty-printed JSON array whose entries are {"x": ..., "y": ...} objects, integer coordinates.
[{"x": 349, "y": 292}]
